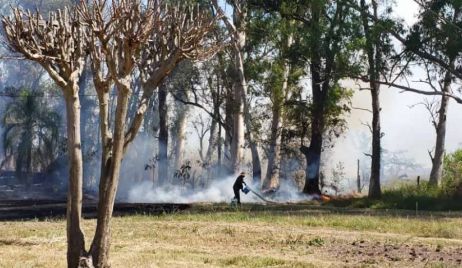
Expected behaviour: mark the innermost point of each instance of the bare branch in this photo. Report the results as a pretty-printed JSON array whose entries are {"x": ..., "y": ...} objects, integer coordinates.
[
  {"x": 410, "y": 89},
  {"x": 12, "y": 58},
  {"x": 181, "y": 32},
  {"x": 416, "y": 50},
  {"x": 368, "y": 126},
  {"x": 58, "y": 43},
  {"x": 431, "y": 155},
  {"x": 196, "y": 104},
  {"x": 362, "y": 109}
]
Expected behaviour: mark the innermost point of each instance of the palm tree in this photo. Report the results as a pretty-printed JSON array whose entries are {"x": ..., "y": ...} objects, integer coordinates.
[{"x": 31, "y": 132}]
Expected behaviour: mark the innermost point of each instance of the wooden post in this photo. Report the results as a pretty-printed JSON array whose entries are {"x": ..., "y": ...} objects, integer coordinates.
[
  {"x": 418, "y": 181},
  {"x": 358, "y": 179}
]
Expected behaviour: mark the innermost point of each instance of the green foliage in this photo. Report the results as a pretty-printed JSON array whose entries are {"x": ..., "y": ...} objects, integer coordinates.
[
  {"x": 321, "y": 32},
  {"x": 374, "y": 42},
  {"x": 452, "y": 174},
  {"x": 338, "y": 105},
  {"x": 409, "y": 197},
  {"x": 435, "y": 33},
  {"x": 31, "y": 131},
  {"x": 245, "y": 261}
]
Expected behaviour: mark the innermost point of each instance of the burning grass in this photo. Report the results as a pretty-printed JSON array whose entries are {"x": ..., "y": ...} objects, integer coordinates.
[{"x": 254, "y": 236}]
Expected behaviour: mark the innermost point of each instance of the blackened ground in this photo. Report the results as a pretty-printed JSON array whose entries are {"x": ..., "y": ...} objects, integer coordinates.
[{"x": 43, "y": 209}]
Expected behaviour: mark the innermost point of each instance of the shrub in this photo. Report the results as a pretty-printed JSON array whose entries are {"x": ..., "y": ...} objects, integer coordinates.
[{"x": 452, "y": 174}]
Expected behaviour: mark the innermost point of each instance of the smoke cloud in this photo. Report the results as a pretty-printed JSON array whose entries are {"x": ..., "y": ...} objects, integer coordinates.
[{"x": 218, "y": 191}]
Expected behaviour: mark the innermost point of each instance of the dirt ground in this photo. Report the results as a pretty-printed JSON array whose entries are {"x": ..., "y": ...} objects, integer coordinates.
[{"x": 249, "y": 239}]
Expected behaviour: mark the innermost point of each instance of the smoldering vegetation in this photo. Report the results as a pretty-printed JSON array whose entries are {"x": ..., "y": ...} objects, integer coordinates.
[
  {"x": 220, "y": 190},
  {"x": 193, "y": 182}
]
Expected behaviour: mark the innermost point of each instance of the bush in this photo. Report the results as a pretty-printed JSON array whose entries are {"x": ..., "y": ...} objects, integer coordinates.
[{"x": 452, "y": 174}]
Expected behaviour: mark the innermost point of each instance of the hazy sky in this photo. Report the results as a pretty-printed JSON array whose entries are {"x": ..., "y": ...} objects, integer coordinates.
[{"x": 405, "y": 129}]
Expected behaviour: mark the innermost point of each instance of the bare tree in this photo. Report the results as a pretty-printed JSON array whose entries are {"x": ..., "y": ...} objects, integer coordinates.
[
  {"x": 153, "y": 37},
  {"x": 201, "y": 127},
  {"x": 438, "y": 112},
  {"x": 116, "y": 43},
  {"x": 201, "y": 87},
  {"x": 116, "y": 36},
  {"x": 58, "y": 45}
]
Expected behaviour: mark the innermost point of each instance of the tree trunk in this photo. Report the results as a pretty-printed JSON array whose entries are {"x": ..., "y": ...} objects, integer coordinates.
[
  {"x": 237, "y": 142},
  {"x": 374, "y": 57},
  {"x": 256, "y": 163},
  {"x": 180, "y": 134},
  {"x": 320, "y": 75},
  {"x": 75, "y": 235},
  {"x": 28, "y": 175},
  {"x": 274, "y": 150},
  {"x": 437, "y": 160},
  {"x": 374, "y": 184},
  {"x": 239, "y": 87},
  {"x": 229, "y": 130},
  {"x": 213, "y": 138},
  {"x": 312, "y": 153},
  {"x": 101, "y": 242},
  {"x": 219, "y": 150},
  {"x": 163, "y": 136},
  {"x": 313, "y": 160}
]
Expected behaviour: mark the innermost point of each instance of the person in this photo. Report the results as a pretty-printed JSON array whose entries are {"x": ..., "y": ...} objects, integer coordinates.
[{"x": 238, "y": 185}]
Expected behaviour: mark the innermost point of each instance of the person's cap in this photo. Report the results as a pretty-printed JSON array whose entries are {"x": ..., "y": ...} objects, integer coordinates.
[{"x": 243, "y": 173}]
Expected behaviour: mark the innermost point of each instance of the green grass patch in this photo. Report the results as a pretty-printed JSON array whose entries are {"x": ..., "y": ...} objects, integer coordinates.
[
  {"x": 409, "y": 197},
  {"x": 428, "y": 224},
  {"x": 257, "y": 262}
]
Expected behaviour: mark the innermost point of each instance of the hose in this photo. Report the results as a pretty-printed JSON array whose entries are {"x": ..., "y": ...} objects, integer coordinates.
[{"x": 259, "y": 196}]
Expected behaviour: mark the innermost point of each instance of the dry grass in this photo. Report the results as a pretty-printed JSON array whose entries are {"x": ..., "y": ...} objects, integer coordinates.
[{"x": 205, "y": 237}]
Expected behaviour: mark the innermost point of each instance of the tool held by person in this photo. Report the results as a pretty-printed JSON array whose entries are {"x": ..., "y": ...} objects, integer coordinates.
[
  {"x": 247, "y": 189},
  {"x": 239, "y": 186}
]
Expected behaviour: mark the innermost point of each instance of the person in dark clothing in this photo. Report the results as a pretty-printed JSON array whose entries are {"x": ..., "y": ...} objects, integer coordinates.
[{"x": 238, "y": 185}]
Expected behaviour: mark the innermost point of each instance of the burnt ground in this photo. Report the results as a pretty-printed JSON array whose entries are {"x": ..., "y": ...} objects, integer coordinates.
[
  {"x": 43, "y": 209},
  {"x": 42, "y": 200}
]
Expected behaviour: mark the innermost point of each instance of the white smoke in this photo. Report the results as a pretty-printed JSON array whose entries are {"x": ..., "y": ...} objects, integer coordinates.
[{"x": 217, "y": 192}]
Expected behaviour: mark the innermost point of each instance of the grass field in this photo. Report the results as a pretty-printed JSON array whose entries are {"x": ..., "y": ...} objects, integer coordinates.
[{"x": 253, "y": 236}]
